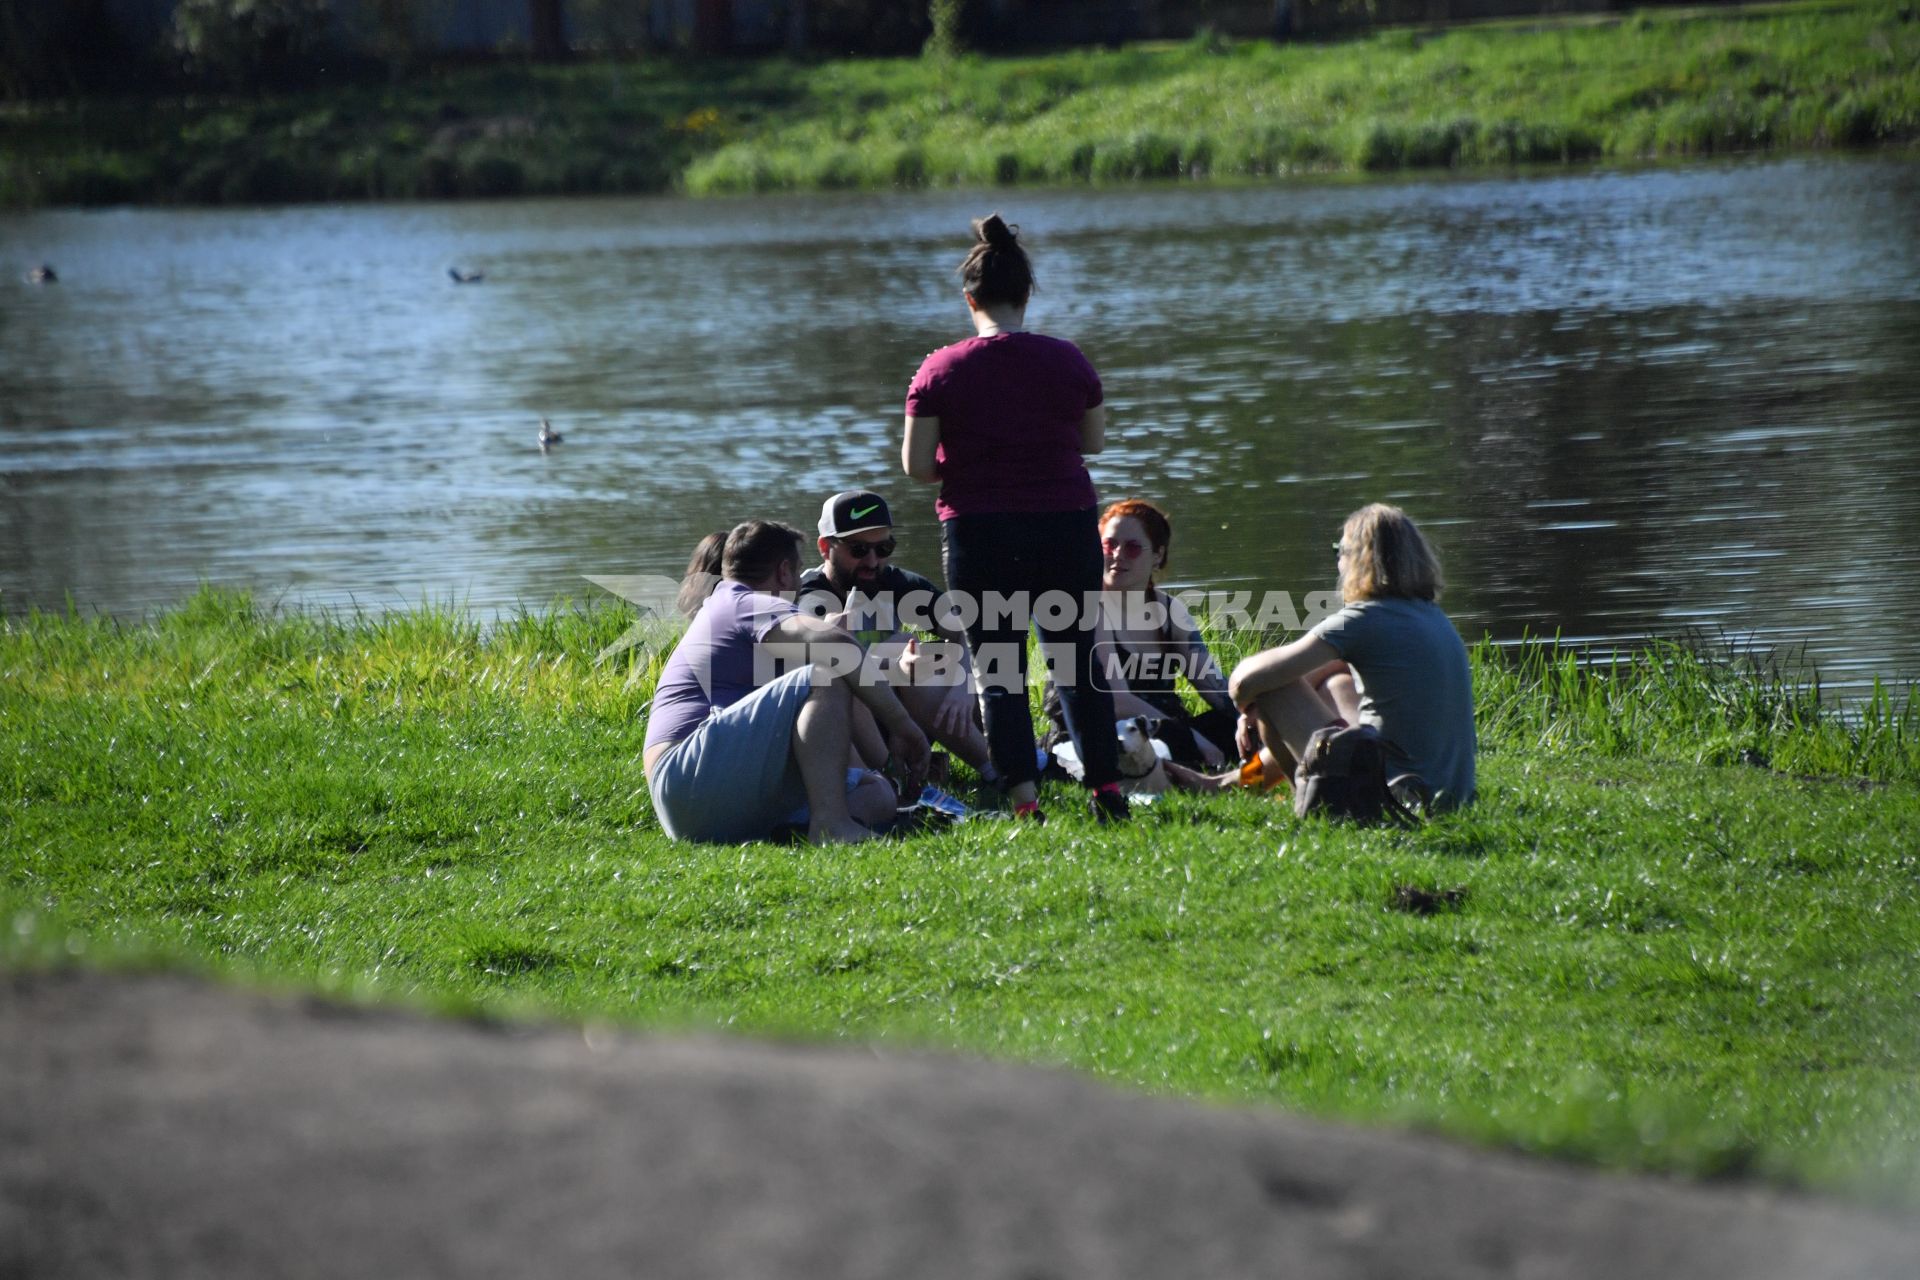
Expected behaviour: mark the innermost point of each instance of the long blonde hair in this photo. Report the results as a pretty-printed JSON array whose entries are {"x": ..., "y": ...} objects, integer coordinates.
[{"x": 1387, "y": 556}]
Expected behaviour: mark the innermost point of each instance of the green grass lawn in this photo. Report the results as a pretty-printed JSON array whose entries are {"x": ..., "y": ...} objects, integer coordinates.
[
  {"x": 1657, "y": 956},
  {"x": 1556, "y": 90}
]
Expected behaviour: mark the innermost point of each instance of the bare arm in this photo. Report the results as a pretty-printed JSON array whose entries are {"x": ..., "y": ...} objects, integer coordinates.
[
  {"x": 918, "y": 449},
  {"x": 798, "y": 638},
  {"x": 1203, "y": 673},
  {"x": 1270, "y": 669},
  {"x": 1093, "y": 429}
]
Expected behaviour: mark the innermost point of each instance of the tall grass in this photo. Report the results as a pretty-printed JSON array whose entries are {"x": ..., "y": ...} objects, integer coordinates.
[
  {"x": 1637, "y": 948},
  {"x": 1694, "y": 702},
  {"x": 1547, "y": 91},
  {"x": 1687, "y": 82}
]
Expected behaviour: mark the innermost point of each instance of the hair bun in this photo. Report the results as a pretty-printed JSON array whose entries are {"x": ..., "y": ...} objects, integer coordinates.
[{"x": 994, "y": 232}]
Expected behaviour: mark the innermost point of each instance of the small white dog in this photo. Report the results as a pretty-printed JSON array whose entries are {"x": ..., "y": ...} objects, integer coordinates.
[{"x": 1142, "y": 759}]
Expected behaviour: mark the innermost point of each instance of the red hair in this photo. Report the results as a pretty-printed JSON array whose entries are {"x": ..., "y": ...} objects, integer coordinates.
[{"x": 1159, "y": 528}]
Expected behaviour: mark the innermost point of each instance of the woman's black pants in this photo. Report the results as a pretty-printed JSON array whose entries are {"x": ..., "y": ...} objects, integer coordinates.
[{"x": 1042, "y": 567}]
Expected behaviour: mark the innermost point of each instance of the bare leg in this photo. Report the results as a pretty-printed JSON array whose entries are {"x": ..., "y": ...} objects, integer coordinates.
[
  {"x": 1335, "y": 684},
  {"x": 1345, "y": 697},
  {"x": 1185, "y": 779},
  {"x": 869, "y": 744},
  {"x": 920, "y": 700},
  {"x": 820, "y": 744},
  {"x": 1288, "y": 716},
  {"x": 873, "y": 802},
  {"x": 1275, "y": 766}
]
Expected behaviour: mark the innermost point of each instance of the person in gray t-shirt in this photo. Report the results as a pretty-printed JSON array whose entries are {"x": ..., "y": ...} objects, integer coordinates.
[{"x": 1390, "y": 659}]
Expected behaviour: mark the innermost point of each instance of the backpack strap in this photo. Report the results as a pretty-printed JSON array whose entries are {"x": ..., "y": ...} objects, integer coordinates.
[{"x": 1400, "y": 811}]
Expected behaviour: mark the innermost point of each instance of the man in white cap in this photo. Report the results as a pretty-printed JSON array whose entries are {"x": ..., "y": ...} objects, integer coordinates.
[{"x": 882, "y": 604}]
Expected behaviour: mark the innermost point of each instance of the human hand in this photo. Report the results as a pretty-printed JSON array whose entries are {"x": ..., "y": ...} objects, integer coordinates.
[
  {"x": 954, "y": 716},
  {"x": 910, "y": 660},
  {"x": 1247, "y": 737},
  {"x": 910, "y": 751}
]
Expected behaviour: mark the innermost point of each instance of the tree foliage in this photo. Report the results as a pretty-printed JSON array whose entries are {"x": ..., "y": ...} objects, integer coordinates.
[{"x": 249, "y": 44}]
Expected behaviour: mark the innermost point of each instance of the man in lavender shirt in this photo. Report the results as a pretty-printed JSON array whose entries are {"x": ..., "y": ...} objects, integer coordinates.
[{"x": 749, "y": 726}]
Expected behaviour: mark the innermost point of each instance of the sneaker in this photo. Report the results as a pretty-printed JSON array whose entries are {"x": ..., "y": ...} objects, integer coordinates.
[
  {"x": 932, "y": 797},
  {"x": 1109, "y": 806}
]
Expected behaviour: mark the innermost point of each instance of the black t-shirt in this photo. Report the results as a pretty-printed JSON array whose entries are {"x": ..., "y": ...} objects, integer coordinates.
[{"x": 898, "y": 600}]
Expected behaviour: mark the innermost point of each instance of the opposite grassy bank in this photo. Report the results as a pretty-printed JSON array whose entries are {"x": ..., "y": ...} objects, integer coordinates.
[
  {"x": 1679, "y": 932},
  {"x": 1552, "y": 91}
]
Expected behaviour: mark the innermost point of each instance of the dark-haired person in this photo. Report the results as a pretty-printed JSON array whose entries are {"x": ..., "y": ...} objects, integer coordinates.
[
  {"x": 1390, "y": 659},
  {"x": 734, "y": 748},
  {"x": 858, "y": 576},
  {"x": 1149, "y": 643},
  {"x": 703, "y": 573},
  {"x": 1003, "y": 423}
]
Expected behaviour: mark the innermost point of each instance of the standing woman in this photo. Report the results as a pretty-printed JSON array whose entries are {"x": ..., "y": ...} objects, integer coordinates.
[{"x": 1003, "y": 423}]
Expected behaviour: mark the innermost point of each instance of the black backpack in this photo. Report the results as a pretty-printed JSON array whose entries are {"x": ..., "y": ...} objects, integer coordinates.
[{"x": 1345, "y": 776}]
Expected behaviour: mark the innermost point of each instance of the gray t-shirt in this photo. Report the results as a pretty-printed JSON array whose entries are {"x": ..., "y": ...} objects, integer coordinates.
[
  {"x": 1410, "y": 669},
  {"x": 713, "y": 665}
]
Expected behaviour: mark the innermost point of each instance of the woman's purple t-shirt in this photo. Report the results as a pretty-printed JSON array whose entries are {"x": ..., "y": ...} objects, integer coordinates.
[{"x": 1009, "y": 407}]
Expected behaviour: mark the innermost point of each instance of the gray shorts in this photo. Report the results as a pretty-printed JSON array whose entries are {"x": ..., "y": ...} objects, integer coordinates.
[{"x": 733, "y": 779}]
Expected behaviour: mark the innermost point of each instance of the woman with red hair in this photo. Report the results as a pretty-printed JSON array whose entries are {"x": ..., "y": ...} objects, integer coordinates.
[{"x": 1149, "y": 643}]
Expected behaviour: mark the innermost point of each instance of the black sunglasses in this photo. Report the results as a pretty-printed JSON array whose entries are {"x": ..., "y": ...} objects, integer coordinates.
[{"x": 859, "y": 550}]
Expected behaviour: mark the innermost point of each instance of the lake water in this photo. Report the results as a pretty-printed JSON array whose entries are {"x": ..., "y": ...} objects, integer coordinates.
[{"x": 1622, "y": 404}]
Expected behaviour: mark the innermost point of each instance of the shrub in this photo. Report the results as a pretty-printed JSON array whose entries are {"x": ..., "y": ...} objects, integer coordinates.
[
  {"x": 910, "y": 167},
  {"x": 1853, "y": 121},
  {"x": 1428, "y": 145},
  {"x": 944, "y": 42},
  {"x": 1144, "y": 155},
  {"x": 94, "y": 179},
  {"x": 492, "y": 174},
  {"x": 1515, "y": 142},
  {"x": 837, "y": 170}
]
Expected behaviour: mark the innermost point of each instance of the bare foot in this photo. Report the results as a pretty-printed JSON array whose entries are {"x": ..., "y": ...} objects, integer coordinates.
[{"x": 844, "y": 832}]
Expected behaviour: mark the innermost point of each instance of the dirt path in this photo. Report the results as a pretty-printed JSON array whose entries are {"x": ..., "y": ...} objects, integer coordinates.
[{"x": 158, "y": 1126}]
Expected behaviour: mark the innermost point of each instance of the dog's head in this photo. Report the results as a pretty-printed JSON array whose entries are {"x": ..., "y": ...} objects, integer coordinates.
[{"x": 1140, "y": 769}]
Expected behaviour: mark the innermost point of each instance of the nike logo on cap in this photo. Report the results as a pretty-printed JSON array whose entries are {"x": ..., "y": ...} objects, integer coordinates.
[{"x": 860, "y": 513}]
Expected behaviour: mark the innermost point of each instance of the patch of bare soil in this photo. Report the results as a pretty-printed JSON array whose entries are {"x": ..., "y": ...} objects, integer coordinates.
[{"x": 162, "y": 1126}]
